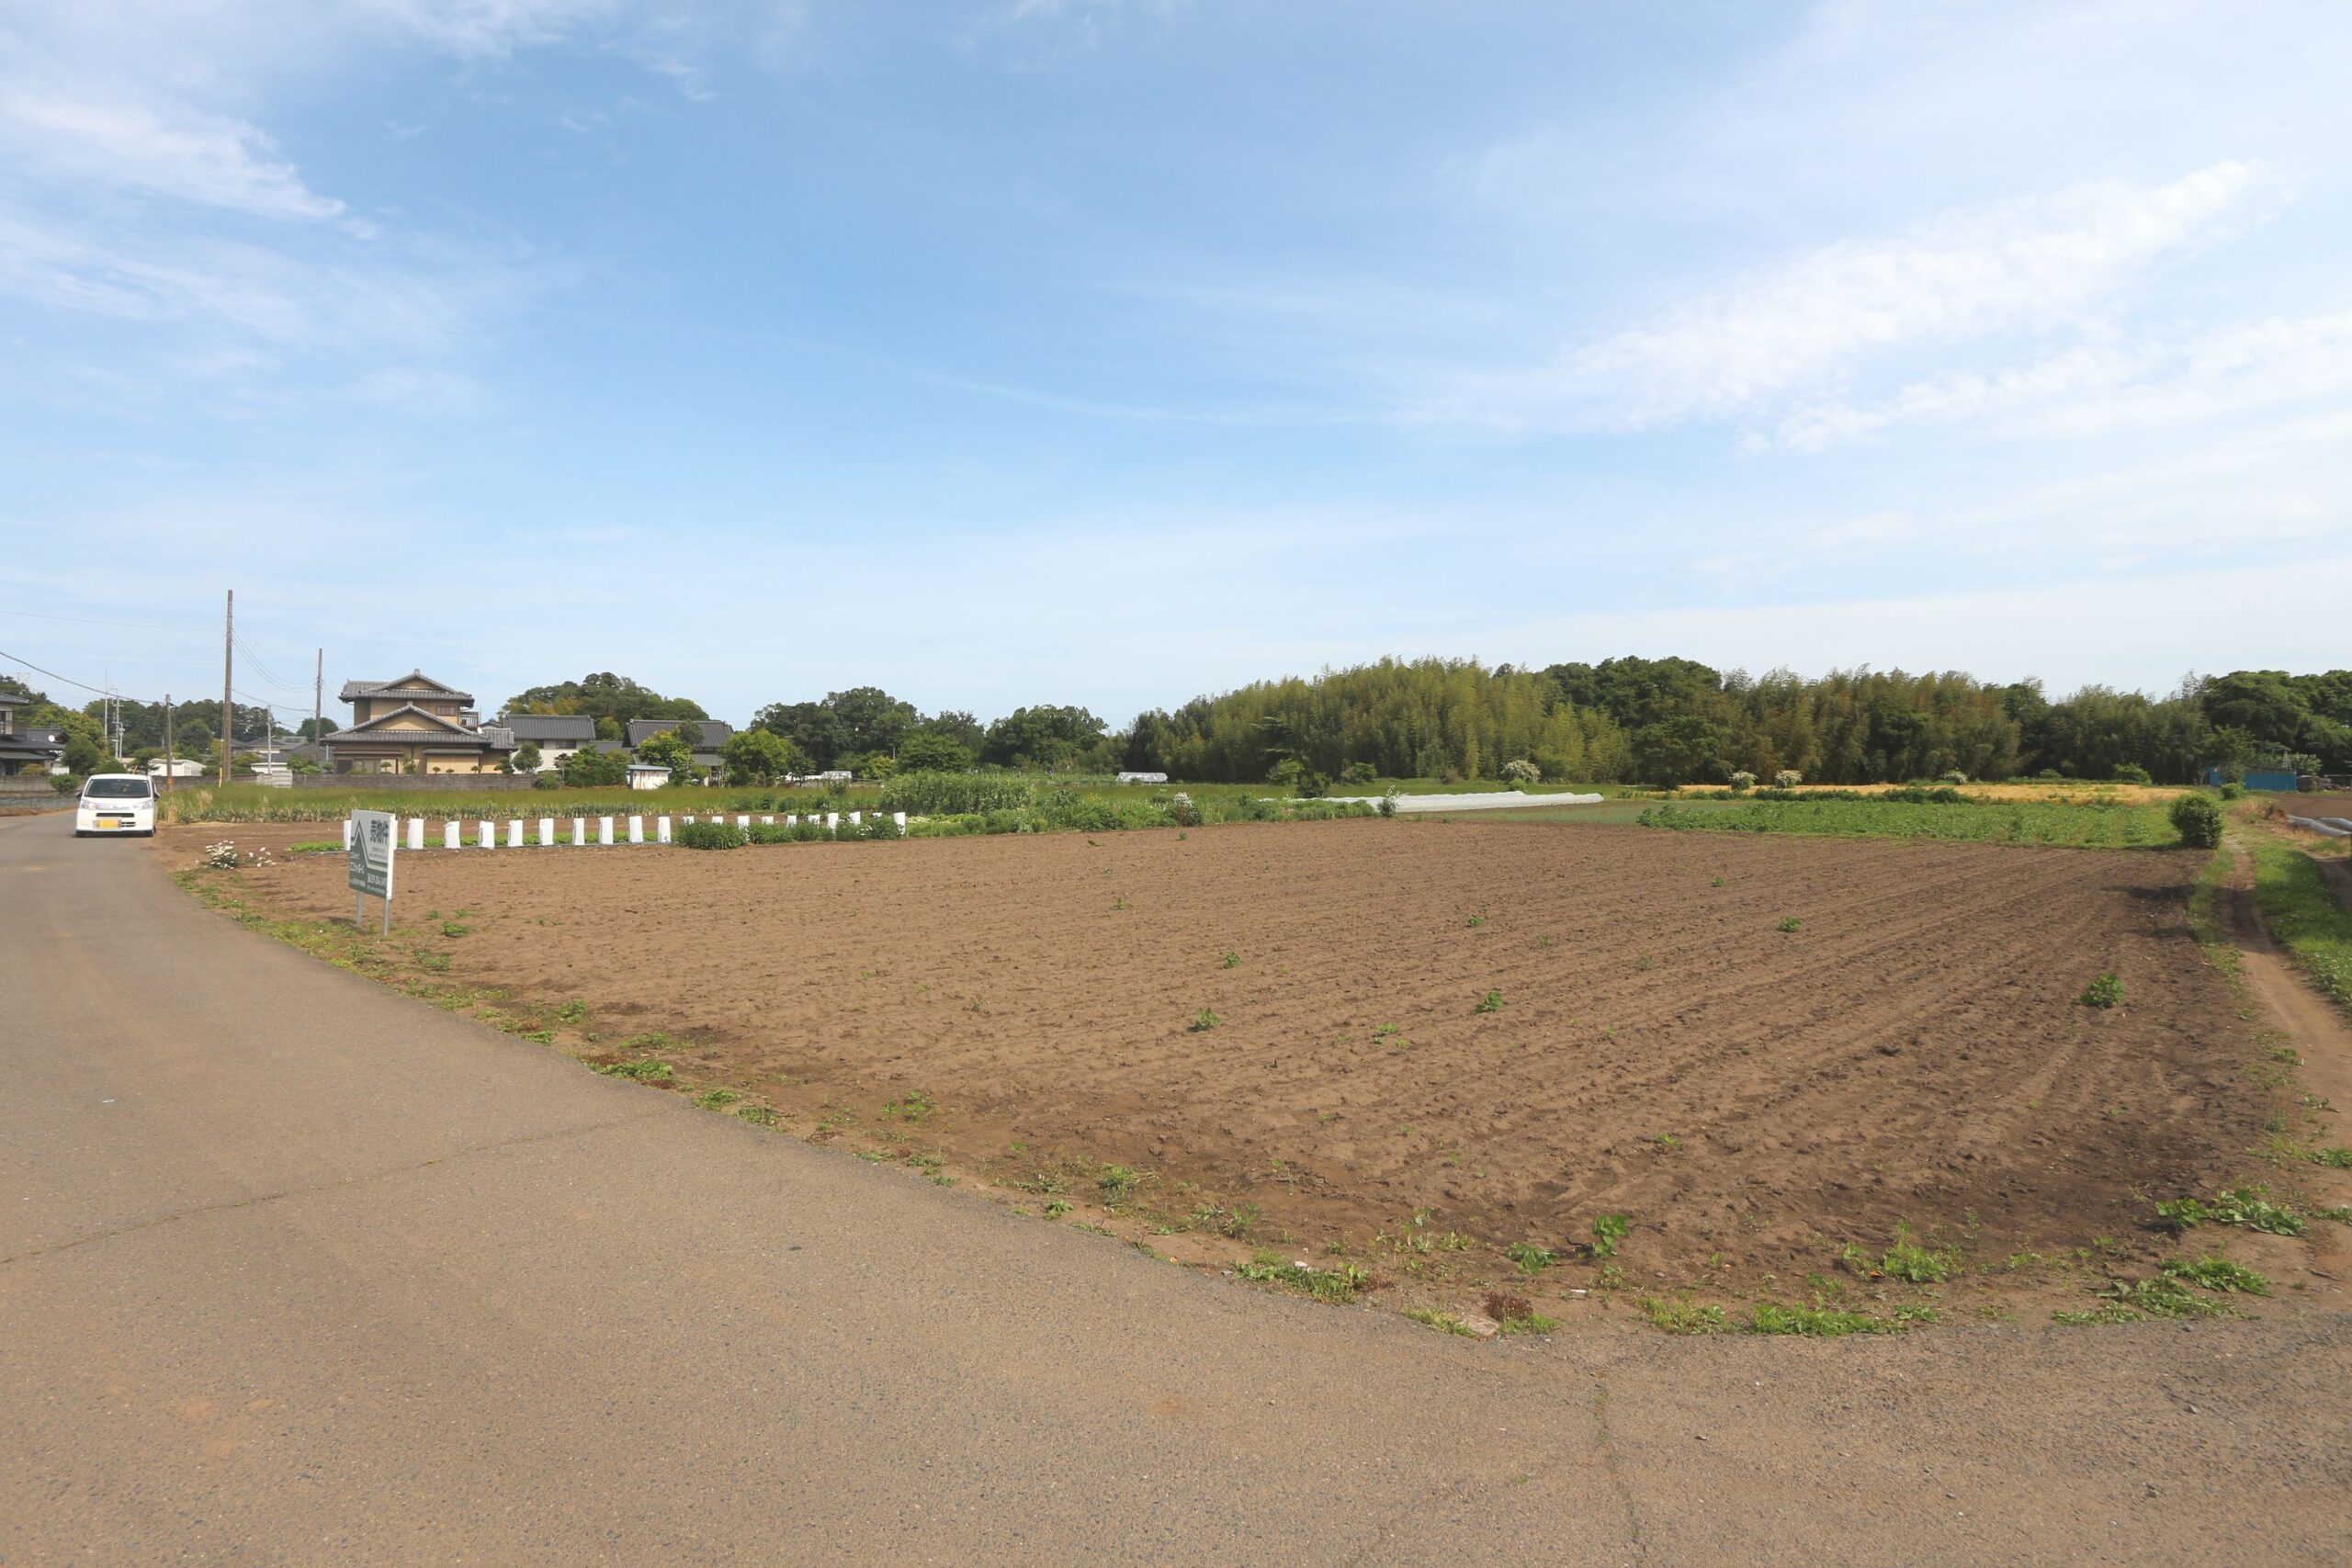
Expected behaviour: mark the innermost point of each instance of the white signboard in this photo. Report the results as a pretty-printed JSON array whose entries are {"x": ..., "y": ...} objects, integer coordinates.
[
  {"x": 373, "y": 839},
  {"x": 371, "y": 854}
]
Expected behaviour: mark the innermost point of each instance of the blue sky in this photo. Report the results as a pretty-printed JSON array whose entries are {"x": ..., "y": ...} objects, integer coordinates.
[{"x": 1115, "y": 351}]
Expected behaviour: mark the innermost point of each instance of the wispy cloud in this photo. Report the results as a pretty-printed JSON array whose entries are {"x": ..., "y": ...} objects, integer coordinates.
[
  {"x": 2095, "y": 388},
  {"x": 207, "y": 160},
  {"x": 1964, "y": 275}
]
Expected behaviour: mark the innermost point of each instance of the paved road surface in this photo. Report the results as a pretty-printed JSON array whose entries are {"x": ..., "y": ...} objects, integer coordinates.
[{"x": 294, "y": 1270}]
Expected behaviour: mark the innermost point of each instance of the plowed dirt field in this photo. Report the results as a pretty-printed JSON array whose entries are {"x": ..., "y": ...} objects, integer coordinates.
[{"x": 1508, "y": 1028}]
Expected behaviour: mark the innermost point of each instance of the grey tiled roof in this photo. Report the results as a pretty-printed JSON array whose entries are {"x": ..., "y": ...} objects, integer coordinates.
[
  {"x": 715, "y": 733},
  {"x": 429, "y": 689},
  {"x": 576, "y": 727}
]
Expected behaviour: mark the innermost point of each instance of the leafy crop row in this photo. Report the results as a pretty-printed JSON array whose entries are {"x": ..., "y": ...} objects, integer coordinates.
[{"x": 2101, "y": 825}]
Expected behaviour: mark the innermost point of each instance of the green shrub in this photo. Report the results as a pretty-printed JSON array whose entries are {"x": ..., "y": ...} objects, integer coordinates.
[
  {"x": 2132, "y": 772},
  {"x": 2197, "y": 821},
  {"x": 711, "y": 836},
  {"x": 2233, "y": 791},
  {"x": 2106, "y": 991}
]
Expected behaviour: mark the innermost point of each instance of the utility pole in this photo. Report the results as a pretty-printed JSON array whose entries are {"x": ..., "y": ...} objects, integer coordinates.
[
  {"x": 170, "y": 758},
  {"x": 228, "y": 688},
  {"x": 319, "y": 703}
]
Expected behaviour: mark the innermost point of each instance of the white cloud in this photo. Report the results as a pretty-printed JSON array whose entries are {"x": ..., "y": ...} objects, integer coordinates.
[
  {"x": 207, "y": 160},
  {"x": 1964, "y": 275},
  {"x": 2096, "y": 389}
]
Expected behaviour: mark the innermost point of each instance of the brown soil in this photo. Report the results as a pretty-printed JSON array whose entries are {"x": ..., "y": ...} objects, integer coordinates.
[{"x": 1916, "y": 1053}]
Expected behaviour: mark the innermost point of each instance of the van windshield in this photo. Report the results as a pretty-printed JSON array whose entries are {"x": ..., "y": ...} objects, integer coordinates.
[{"x": 117, "y": 789}]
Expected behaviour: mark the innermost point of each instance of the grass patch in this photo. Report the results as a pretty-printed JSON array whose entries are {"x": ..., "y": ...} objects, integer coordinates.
[
  {"x": 1832, "y": 1323},
  {"x": 2302, "y": 914},
  {"x": 1904, "y": 1259},
  {"x": 1684, "y": 1317},
  {"x": 644, "y": 1069},
  {"x": 1118, "y": 1184},
  {"x": 1443, "y": 1322},
  {"x": 1344, "y": 1283},
  {"x": 1609, "y": 1233}
]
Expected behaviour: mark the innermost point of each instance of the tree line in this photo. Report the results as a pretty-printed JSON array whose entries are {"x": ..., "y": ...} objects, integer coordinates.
[
  {"x": 1677, "y": 721},
  {"x": 1631, "y": 719}
]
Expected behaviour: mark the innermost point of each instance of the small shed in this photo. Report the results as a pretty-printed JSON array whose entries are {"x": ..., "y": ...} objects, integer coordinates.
[{"x": 646, "y": 776}]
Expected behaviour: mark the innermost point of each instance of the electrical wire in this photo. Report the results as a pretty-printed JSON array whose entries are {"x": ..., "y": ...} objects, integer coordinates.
[{"x": 85, "y": 685}]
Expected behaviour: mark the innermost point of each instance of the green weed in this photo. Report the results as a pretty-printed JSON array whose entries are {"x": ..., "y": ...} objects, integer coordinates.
[
  {"x": 1531, "y": 1259},
  {"x": 2218, "y": 1274},
  {"x": 915, "y": 1105},
  {"x": 1683, "y": 1317},
  {"x": 1340, "y": 1284},
  {"x": 2106, "y": 991},
  {"x": 645, "y": 1070},
  {"x": 1491, "y": 1002}
]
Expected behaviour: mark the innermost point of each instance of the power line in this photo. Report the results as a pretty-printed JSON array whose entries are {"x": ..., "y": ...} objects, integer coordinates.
[
  {"x": 85, "y": 685},
  {"x": 269, "y": 676}
]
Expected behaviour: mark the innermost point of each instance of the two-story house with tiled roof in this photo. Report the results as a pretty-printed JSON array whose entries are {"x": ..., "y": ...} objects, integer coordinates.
[{"x": 414, "y": 725}]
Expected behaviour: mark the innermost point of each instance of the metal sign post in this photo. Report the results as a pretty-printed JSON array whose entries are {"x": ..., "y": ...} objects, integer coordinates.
[{"x": 373, "y": 841}]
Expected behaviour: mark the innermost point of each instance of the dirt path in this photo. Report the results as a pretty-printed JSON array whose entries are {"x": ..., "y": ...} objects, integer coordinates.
[{"x": 2319, "y": 1034}]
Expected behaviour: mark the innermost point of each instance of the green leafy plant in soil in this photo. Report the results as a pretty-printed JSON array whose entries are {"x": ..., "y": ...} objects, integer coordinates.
[
  {"x": 2249, "y": 1206},
  {"x": 2218, "y": 1274},
  {"x": 2106, "y": 991}
]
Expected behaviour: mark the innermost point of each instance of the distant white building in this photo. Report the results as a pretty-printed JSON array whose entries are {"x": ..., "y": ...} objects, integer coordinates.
[
  {"x": 1143, "y": 778},
  {"x": 646, "y": 776},
  {"x": 176, "y": 768}
]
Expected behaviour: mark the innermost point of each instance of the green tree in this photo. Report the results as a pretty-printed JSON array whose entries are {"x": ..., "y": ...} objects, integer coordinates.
[
  {"x": 814, "y": 729},
  {"x": 612, "y": 701},
  {"x": 668, "y": 748},
  {"x": 527, "y": 757},
  {"x": 1043, "y": 736},
  {"x": 756, "y": 756},
  {"x": 591, "y": 769},
  {"x": 930, "y": 750},
  {"x": 1678, "y": 750}
]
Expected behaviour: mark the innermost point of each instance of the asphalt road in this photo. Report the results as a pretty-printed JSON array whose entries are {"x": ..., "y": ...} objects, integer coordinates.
[{"x": 295, "y": 1269}]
